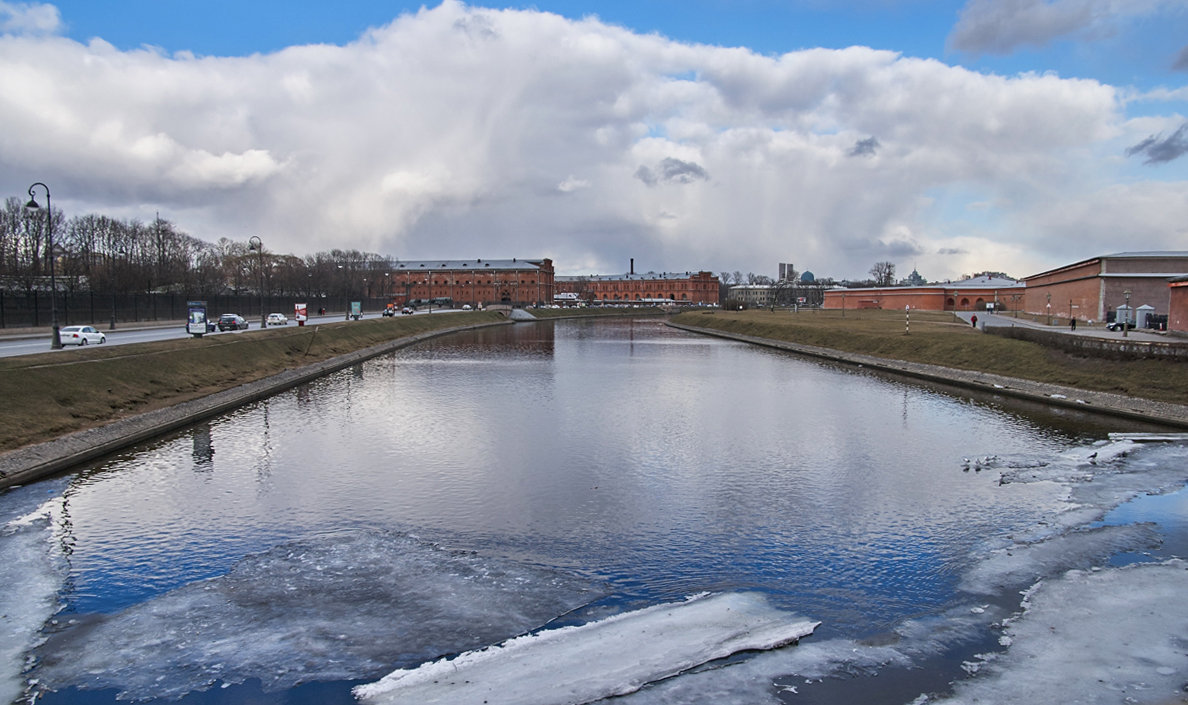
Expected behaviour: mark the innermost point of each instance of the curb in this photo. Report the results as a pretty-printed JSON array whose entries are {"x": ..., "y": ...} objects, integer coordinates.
[
  {"x": 1162, "y": 413},
  {"x": 36, "y": 462}
]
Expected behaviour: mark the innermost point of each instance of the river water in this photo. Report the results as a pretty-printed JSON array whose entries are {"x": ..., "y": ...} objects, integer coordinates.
[{"x": 482, "y": 485}]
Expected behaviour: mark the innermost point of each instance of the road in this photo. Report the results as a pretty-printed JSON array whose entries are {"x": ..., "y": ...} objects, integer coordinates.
[
  {"x": 23, "y": 342},
  {"x": 1005, "y": 319}
]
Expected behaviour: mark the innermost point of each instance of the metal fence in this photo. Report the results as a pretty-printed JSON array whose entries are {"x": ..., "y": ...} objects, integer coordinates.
[{"x": 33, "y": 310}]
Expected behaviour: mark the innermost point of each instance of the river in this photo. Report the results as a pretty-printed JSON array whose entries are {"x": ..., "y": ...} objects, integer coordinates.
[{"x": 482, "y": 485}]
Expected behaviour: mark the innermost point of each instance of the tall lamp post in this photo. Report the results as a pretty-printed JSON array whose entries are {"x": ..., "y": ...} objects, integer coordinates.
[
  {"x": 32, "y": 207},
  {"x": 256, "y": 245},
  {"x": 1126, "y": 313}
]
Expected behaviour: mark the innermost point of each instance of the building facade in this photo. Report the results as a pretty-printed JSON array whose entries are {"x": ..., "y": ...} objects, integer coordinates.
[
  {"x": 1092, "y": 288},
  {"x": 688, "y": 288},
  {"x": 478, "y": 282},
  {"x": 975, "y": 294},
  {"x": 1177, "y": 314}
]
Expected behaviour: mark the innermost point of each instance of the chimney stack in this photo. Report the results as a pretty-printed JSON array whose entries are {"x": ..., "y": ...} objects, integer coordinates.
[{"x": 632, "y": 266}]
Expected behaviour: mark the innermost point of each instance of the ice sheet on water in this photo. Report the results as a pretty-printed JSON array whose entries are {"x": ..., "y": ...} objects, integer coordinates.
[
  {"x": 31, "y": 573},
  {"x": 608, "y": 657},
  {"x": 340, "y": 606},
  {"x": 1134, "y": 632},
  {"x": 1106, "y": 636},
  {"x": 1024, "y": 563}
]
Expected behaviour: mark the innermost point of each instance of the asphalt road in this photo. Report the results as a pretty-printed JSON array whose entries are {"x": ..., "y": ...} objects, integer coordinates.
[
  {"x": 22, "y": 342},
  {"x": 1060, "y": 325}
]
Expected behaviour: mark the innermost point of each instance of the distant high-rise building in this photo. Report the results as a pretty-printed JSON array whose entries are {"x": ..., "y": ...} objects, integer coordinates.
[{"x": 787, "y": 271}]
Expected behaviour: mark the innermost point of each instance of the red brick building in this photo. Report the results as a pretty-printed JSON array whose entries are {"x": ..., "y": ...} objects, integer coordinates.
[
  {"x": 478, "y": 282},
  {"x": 1091, "y": 288},
  {"x": 694, "y": 288},
  {"x": 966, "y": 295},
  {"x": 1177, "y": 314}
]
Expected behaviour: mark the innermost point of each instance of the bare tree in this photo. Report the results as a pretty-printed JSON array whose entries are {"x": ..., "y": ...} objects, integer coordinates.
[{"x": 883, "y": 273}]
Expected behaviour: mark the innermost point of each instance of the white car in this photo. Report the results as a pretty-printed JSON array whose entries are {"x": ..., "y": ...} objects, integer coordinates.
[
  {"x": 81, "y": 335},
  {"x": 277, "y": 319}
]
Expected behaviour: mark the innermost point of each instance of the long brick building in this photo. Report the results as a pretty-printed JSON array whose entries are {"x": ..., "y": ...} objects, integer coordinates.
[
  {"x": 966, "y": 295},
  {"x": 1091, "y": 288},
  {"x": 690, "y": 288},
  {"x": 478, "y": 282}
]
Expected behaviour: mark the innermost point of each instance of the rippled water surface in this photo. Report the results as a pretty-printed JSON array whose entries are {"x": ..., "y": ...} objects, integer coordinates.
[{"x": 613, "y": 462}]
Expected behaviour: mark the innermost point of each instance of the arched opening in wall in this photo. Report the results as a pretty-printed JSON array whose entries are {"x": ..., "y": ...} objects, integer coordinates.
[
  {"x": 980, "y": 303},
  {"x": 964, "y": 302}
]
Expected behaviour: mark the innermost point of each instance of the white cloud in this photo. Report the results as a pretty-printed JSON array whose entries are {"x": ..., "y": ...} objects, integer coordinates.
[
  {"x": 451, "y": 133},
  {"x": 29, "y": 18}
]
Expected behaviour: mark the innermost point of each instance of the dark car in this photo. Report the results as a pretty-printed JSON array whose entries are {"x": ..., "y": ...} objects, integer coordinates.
[
  {"x": 232, "y": 321},
  {"x": 1117, "y": 325}
]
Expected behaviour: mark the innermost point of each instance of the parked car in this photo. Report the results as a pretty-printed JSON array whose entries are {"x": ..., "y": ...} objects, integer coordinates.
[
  {"x": 1117, "y": 325},
  {"x": 81, "y": 335},
  {"x": 406, "y": 310},
  {"x": 465, "y": 307},
  {"x": 277, "y": 319},
  {"x": 232, "y": 321}
]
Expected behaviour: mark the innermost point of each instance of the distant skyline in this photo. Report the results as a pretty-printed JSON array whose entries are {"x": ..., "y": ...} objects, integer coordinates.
[{"x": 949, "y": 137}]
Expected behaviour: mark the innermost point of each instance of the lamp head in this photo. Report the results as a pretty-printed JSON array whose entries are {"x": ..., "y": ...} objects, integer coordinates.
[{"x": 32, "y": 206}]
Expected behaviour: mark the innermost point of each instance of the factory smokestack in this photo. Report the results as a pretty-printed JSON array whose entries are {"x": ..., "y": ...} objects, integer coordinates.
[{"x": 632, "y": 266}]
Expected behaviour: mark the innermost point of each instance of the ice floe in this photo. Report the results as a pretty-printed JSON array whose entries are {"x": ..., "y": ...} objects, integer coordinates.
[
  {"x": 340, "y": 606},
  {"x": 1105, "y": 636},
  {"x": 605, "y": 658},
  {"x": 31, "y": 573}
]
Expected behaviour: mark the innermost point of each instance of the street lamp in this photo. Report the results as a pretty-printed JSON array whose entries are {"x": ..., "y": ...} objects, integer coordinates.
[
  {"x": 257, "y": 246},
  {"x": 1126, "y": 313},
  {"x": 32, "y": 207}
]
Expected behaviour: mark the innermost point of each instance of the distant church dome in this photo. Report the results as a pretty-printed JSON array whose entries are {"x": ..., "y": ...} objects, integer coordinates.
[{"x": 807, "y": 277}]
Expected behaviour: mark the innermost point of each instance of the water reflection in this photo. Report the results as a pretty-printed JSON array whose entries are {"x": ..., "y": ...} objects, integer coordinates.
[{"x": 203, "y": 447}]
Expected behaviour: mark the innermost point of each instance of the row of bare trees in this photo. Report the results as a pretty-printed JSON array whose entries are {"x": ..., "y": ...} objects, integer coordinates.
[{"x": 101, "y": 254}]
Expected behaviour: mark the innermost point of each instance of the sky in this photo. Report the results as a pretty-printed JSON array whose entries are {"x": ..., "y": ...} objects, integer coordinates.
[{"x": 948, "y": 136}]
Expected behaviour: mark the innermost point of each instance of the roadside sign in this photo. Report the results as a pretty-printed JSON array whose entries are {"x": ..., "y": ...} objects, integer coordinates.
[
  {"x": 300, "y": 312},
  {"x": 196, "y": 320}
]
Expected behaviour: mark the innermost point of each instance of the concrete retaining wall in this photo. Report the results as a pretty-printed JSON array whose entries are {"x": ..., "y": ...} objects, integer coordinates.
[
  {"x": 1162, "y": 413},
  {"x": 1092, "y": 346}
]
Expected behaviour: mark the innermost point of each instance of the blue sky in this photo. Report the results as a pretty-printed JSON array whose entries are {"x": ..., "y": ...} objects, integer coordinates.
[
  {"x": 953, "y": 136},
  {"x": 1139, "y": 51}
]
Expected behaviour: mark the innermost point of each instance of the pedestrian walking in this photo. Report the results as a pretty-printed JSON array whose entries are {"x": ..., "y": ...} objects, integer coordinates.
[
  {"x": 1072, "y": 324},
  {"x": 974, "y": 320}
]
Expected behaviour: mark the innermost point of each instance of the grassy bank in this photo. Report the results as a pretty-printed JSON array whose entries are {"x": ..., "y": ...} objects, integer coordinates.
[
  {"x": 936, "y": 338},
  {"x": 48, "y": 395}
]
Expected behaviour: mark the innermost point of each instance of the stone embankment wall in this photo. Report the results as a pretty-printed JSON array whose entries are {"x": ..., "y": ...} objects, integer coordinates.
[{"x": 1092, "y": 346}]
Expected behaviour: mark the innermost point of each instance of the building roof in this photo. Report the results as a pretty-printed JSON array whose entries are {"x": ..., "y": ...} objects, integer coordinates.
[
  {"x": 436, "y": 264},
  {"x": 1145, "y": 254},
  {"x": 628, "y": 277},
  {"x": 1138, "y": 255},
  {"x": 974, "y": 283}
]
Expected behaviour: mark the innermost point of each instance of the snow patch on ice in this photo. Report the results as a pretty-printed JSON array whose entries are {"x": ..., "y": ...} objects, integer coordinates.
[
  {"x": 1106, "y": 636},
  {"x": 31, "y": 575},
  {"x": 341, "y": 606},
  {"x": 612, "y": 656}
]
